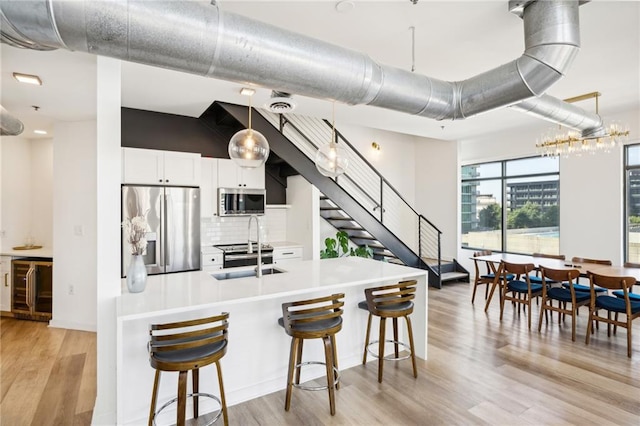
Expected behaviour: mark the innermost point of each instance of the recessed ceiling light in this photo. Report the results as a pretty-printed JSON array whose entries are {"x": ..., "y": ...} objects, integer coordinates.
[
  {"x": 27, "y": 78},
  {"x": 345, "y": 6},
  {"x": 246, "y": 91},
  {"x": 40, "y": 132}
]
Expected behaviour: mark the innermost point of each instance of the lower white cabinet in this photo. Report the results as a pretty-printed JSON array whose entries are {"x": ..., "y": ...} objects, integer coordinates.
[
  {"x": 212, "y": 259},
  {"x": 286, "y": 254},
  {"x": 5, "y": 283}
]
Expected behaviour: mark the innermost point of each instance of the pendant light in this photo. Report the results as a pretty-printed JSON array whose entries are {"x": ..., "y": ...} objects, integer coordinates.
[
  {"x": 331, "y": 159},
  {"x": 249, "y": 148}
]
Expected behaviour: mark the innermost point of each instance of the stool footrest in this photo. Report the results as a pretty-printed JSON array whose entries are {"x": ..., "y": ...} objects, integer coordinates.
[
  {"x": 390, "y": 357},
  {"x": 198, "y": 394},
  {"x": 317, "y": 388}
]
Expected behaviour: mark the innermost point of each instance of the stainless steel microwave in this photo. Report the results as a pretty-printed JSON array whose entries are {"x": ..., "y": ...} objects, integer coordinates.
[{"x": 241, "y": 201}]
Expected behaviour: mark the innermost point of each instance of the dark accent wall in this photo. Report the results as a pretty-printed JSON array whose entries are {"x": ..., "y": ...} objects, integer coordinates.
[{"x": 208, "y": 136}]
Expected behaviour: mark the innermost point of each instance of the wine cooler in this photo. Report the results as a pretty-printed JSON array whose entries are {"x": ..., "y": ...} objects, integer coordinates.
[{"x": 32, "y": 293}]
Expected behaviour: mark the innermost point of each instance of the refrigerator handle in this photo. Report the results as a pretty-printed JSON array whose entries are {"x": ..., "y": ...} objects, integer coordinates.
[
  {"x": 168, "y": 207},
  {"x": 163, "y": 221}
]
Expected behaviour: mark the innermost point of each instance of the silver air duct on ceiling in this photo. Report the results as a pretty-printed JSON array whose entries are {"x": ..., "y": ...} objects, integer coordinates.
[
  {"x": 199, "y": 38},
  {"x": 9, "y": 125}
]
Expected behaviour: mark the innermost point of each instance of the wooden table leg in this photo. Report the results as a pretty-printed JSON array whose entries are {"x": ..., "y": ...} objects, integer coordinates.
[{"x": 496, "y": 281}]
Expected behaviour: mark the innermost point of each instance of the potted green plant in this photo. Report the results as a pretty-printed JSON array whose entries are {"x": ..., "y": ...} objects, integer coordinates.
[{"x": 339, "y": 247}]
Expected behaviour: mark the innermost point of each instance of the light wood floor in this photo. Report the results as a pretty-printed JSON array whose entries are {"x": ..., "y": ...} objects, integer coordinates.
[{"x": 480, "y": 371}]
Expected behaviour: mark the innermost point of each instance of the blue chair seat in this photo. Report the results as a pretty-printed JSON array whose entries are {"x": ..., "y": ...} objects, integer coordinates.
[
  {"x": 632, "y": 296},
  {"x": 521, "y": 287},
  {"x": 564, "y": 294},
  {"x": 583, "y": 288},
  {"x": 616, "y": 304}
]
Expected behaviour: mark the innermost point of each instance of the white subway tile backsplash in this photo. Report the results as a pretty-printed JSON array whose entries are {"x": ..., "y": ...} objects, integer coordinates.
[{"x": 234, "y": 229}]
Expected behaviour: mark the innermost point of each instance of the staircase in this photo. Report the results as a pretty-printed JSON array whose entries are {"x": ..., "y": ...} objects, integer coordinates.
[
  {"x": 340, "y": 220},
  {"x": 360, "y": 202}
]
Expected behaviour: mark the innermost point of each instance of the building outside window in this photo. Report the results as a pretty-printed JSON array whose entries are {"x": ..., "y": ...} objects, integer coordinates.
[
  {"x": 632, "y": 203},
  {"x": 512, "y": 205}
]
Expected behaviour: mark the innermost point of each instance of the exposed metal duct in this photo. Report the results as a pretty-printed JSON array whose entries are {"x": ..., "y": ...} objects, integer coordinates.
[
  {"x": 9, "y": 125},
  {"x": 199, "y": 38}
]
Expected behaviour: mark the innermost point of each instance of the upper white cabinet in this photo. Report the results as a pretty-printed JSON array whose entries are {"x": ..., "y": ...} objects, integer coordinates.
[
  {"x": 209, "y": 187},
  {"x": 154, "y": 167},
  {"x": 230, "y": 175}
]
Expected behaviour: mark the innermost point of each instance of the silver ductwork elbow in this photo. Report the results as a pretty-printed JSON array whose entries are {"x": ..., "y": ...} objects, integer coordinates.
[
  {"x": 198, "y": 38},
  {"x": 9, "y": 125}
]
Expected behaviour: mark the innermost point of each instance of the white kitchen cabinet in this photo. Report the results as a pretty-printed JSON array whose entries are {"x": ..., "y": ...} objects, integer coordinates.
[
  {"x": 212, "y": 259},
  {"x": 209, "y": 187},
  {"x": 286, "y": 254},
  {"x": 155, "y": 167},
  {"x": 5, "y": 283},
  {"x": 230, "y": 175}
]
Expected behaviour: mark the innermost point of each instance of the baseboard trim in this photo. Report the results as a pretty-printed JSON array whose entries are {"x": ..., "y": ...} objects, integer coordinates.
[{"x": 73, "y": 325}]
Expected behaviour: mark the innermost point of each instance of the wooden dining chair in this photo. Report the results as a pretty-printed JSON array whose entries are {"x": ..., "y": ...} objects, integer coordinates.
[
  {"x": 483, "y": 273},
  {"x": 562, "y": 295},
  {"x": 519, "y": 290},
  {"x": 635, "y": 297},
  {"x": 581, "y": 287},
  {"x": 537, "y": 278},
  {"x": 612, "y": 304}
]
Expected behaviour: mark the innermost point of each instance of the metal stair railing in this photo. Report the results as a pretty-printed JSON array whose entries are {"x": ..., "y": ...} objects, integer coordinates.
[{"x": 365, "y": 184}]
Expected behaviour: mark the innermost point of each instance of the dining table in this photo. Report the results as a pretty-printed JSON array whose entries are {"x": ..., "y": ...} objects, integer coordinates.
[{"x": 494, "y": 260}]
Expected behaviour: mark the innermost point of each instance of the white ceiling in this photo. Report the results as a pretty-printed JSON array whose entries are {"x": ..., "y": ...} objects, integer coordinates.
[{"x": 454, "y": 41}]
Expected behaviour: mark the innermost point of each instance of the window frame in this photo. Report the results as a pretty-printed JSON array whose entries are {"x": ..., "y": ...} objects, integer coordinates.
[
  {"x": 626, "y": 168},
  {"x": 503, "y": 178}
]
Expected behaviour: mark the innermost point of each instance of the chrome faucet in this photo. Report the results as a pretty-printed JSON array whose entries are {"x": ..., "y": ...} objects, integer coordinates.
[{"x": 250, "y": 248}]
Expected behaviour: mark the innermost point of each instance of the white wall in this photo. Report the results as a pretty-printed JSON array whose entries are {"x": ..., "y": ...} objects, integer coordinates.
[
  {"x": 74, "y": 236},
  {"x": 304, "y": 215},
  {"x": 591, "y": 189},
  {"x": 16, "y": 187},
  {"x": 26, "y": 191},
  {"x": 41, "y": 215},
  {"x": 436, "y": 189},
  {"x": 391, "y": 160},
  {"x": 107, "y": 161}
]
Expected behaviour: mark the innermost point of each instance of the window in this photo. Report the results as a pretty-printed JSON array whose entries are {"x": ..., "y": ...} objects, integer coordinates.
[
  {"x": 513, "y": 205},
  {"x": 632, "y": 203}
]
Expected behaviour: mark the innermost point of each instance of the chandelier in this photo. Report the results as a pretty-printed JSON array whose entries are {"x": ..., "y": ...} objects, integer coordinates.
[{"x": 560, "y": 142}]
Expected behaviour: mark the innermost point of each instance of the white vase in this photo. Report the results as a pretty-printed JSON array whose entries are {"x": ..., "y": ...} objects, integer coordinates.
[{"x": 136, "y": 274}]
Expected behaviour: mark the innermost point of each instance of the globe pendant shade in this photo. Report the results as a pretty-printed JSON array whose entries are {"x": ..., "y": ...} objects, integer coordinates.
[
  {"x": 248, "y": 148},
  {"x": 331, "y": 160}
]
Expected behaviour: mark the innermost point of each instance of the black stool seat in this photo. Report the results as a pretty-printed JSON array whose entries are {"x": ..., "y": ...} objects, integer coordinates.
[
  {"x": 187, "y": 346},
  {"x": 187, "y": 355},
  {"x": 390, "y": 301},
  {"x": 319, "y": 318},
  {"x": 400, "y": 306}
]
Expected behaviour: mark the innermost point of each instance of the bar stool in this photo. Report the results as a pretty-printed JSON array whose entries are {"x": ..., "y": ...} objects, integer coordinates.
[
  {"x": 319, "y": 318},
  {"x": 188, "y": 346},
  {"x": 390, "y": 301}
]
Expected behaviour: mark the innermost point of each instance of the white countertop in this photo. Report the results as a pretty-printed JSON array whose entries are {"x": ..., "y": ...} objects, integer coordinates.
[
  {"x": 284, "y": 244},
  {"x": 183, "y": 291},
  {"x": 42, "y": 252}
]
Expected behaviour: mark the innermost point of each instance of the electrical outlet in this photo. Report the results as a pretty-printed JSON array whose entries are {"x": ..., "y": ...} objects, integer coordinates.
[
  {"x": 71, "y": 290},
  {"x": 3, "y": 233}
]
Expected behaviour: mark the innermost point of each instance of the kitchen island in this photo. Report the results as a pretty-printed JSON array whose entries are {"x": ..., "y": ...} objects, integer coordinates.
[{"x": 258, "y": 353}]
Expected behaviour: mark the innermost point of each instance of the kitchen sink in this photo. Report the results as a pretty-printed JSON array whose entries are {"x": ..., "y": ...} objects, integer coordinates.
[{"x": 246, "y": 273}]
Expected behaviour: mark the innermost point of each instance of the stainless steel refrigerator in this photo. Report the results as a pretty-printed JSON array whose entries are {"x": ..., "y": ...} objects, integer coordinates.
[{"x": 173, "y": 215}]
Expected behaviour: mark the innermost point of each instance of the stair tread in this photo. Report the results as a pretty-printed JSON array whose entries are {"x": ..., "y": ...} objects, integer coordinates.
[
  {"x": 338, "y": 218},
  {"x": 352, "y": 228},
  {"x": 363, "y": 237},
  {"x": 330, "y": 208},
  {"x": 451, "y": 276}
]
